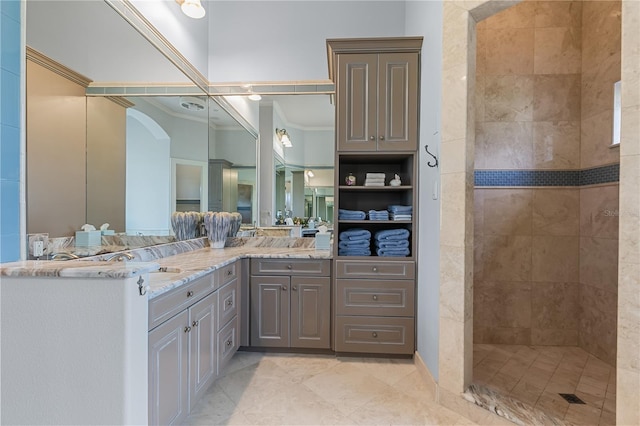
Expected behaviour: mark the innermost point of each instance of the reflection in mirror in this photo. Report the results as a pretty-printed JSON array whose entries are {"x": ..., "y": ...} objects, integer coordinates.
[
  {"x": 232, "y": 165},
  {"x": 309, "y": 122}
]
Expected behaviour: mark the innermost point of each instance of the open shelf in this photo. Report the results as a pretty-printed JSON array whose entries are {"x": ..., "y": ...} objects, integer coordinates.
[
  {"x": 375, "y": 188},
  {"x": 369, "y": 222}
]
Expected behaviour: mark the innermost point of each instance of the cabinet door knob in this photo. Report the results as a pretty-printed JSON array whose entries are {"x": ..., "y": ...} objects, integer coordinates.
[
  {"x": 375, "y": 297},
  {"x": 284, "y": 288},
  {"x": 187, "y": 329},
  {"x": 229, "y": 272},
  {"x": 195, "y": 323},
  {"x": 375, "y": 269},
  {"x": 229, "y": 302},
  {"x": 289, "y": 266},
  {"x": 374, "y": 334},
  {"x": 190, "y": 293},
  {"x": 381, "y": 138},
  {"x": 294, "y": 288},
  {"x": 372, "y": 138},
  {"x": 229, "y": 342}
]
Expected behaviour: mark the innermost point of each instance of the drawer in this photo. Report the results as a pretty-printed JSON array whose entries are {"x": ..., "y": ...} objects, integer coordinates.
[
  {"x": 319, "y": 267},
  {"x": 375, "y": 269},
  {"x": 227, "y": 273},
  {"x": 228, "y": 340},
  {"x": 167, "y": 305},
  {"x": 383, "y": 335},
  {"x": 375, "y": 297},
  {"x": 228, "y": 300}
]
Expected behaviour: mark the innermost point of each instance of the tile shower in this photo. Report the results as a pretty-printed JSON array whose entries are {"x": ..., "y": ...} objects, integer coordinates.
[{"x": 546, "y": 196}]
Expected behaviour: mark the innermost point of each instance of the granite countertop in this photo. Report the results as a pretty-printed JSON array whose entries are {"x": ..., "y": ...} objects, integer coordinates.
[{"x": 171, "y": 265}]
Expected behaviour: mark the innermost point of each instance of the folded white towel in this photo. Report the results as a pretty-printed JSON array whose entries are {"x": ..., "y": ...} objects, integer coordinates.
[
  {"x": 374, "y": 184},
  {"x": 376, "y": 175},
  {"x": 374, "y": 180}
]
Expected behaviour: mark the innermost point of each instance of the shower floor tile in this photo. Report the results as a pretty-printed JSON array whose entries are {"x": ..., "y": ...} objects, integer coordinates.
[{"x": 536, "y": 375}]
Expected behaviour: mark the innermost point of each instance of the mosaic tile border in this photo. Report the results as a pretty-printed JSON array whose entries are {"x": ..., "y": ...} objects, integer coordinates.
[{"x": 520, "y": 178}]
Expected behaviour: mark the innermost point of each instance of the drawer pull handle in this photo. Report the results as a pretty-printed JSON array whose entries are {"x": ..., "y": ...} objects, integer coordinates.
[
  {"x": 190, "y": 293},
  {"x": 375, "y": 269},
  {"x": 187, "y": 329},
  {"x": 289, "y": 267},
  {"x": 375, "y": 297},
  {"x": 374, "y": 334},
  {"x": 229, "y": 342},
  {"x": 229, "y": 272},
  {"x": 284, "y": 288},
  {"x": 229, "y": 302}
]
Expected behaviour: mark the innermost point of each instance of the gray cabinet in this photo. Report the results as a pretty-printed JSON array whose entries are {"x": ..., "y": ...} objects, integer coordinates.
[
  {"x": 290, "y": 307},
  {"x": 223, "y": 186},
  {"x": 194, "y": 332},
  {"x": 377, "y": 93},
  {"x": 375, "y": 307}
]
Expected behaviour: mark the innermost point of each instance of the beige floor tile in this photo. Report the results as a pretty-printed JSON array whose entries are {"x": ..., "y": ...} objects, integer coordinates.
[
  {"x": 527, "y": 393},
  {"x": 553, "y": 404},
  {"x": 607, "y": 418},
  {"x": 582, "y": 414},
  {"x": 387, "y": 370}
]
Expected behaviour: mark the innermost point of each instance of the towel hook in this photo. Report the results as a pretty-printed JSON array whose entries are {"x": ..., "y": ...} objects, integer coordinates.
[{"x": 426, "y": 148}]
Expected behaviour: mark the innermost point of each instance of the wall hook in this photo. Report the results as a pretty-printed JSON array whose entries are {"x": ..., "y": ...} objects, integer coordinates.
[{"x": 426, "y": 148}]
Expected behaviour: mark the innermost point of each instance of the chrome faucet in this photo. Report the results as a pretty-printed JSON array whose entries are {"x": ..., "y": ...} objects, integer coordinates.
[
  {"x": 118, "y": 257},
  {"x": 64, "y": 256}
]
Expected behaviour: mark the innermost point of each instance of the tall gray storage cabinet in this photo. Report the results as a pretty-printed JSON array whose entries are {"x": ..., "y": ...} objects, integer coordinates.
[{"x": 377, "y": 95}]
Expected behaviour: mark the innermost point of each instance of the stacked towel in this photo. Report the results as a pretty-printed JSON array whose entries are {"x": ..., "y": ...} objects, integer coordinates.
[
  {"x": 354, "y": 242},
  {"x": 399, "y": 212},
  {"x": 374, "y": 179},
  {"x": 378, "y": 215},
  {"x": 392, "y": 242},
  {"x": 351, "y": 214}
]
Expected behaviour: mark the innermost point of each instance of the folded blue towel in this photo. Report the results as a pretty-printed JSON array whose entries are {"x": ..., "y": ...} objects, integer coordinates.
[
  {"x": 351, "y": 214},
  {"x": 393, "y": 244},
  {"x": 395, "y": 208},
  {"x": 392, "y": 234},
  {"x": 354, "y": 252},
  {"x": 354, "y": 244},
  {"x": 355, "y": 234},
  {"x": 393, "y": 252},
  {"x": 378, "y": 215}
]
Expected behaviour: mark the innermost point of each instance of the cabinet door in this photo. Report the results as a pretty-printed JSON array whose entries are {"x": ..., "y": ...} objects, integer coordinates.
[
  {"x": 397, "y": 102},
  {"x": 270, "y": 311},
  {"x": 356, "y": 87},
  {"x": 310, "y": 312},
  {"x": 202, "y": 340},
  {"x": 168, "y": 363}
]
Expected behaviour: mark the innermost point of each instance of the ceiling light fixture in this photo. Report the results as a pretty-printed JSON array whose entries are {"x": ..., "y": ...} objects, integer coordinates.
[
  {"x": 283, "y": 137},
  {"x": 255, "y": 97},
  {"x": 192, "y": 8}
]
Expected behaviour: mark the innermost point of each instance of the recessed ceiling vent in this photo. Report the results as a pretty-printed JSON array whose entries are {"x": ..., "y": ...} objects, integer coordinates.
[{"x": 191, "y": 103}]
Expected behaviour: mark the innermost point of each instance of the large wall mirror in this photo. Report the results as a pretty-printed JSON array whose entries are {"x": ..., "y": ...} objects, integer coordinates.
[{"x": 132, "y": 158}]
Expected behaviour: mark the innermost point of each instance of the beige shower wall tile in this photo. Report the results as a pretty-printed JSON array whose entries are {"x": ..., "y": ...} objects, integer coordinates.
[
  {"x": 599, "y": 211},
  {"x": 478, "y": 211},
  {"x": 627, "y": 405},
  {"x": 597, "y": 86},
  {"x": 498, "y": 335},
  {"x": 558, "y": 14},
  {"x": 521, "y": 15},
  {"x": 507, "y": 258},
  {"x": 630, "y": 134},
  {"x": 556, "y": 97},
  {"x": 508, "y": 98},
  {"x": 454, "y": 362},
  {"x": 556, "y": 145},
  {"x": 455, "y": 297},
  {"x": 601, "y": 26},
  {"x": 507, "y": 211},
  {"x": 556, "y": 212},
  {"x": 554, "y": 337},
  {"x": 597, "y": 137},
  {"x": 481, "y": 51},
  {"x": 599, "y": 263},
  {"x": 557, "y": 51},
  {"x": 509, "y": 51},
  {"x": 598, "y": 322},
  {"x": 630, "y": 209},
  {"x": 555, "y": 259},
  {"x": 504, "y": 145},
  {"x": 502, "y": 304},
  {"x": 554, "y": 306}
]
